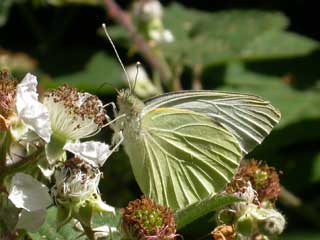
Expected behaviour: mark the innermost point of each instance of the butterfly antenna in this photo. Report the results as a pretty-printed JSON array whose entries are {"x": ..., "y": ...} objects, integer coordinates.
[
  {"x": 116, "y": 52},
  {"x": 138, "y": 64}
]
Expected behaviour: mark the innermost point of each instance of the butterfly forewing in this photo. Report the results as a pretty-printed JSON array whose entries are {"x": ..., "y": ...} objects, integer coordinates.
[
  {"x": 248, "y": 118},
  {"x": 182, "y": 156}
]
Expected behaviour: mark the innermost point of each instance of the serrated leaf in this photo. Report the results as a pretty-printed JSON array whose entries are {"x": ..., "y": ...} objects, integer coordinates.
[
  {"x": 274, "y": 44},
  {"x": 223, "y": 36},
  {"x": 101, "y": 74},
  {"x": 194, "y": 211},
  {"x": 48, "y": 231}
]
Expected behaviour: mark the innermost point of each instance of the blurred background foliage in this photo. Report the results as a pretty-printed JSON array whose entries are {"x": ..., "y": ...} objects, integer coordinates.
[{"x": 268, "y": 48}]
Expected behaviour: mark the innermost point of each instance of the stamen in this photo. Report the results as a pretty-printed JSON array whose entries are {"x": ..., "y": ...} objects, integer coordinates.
[{"x": 7, "y": 93}]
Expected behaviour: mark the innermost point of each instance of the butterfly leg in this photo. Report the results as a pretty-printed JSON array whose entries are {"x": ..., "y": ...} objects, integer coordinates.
[
  {"x": 114, "y": 107},
  {"x": 115, "y": 113},
  {"x": 120, "y": 140}
]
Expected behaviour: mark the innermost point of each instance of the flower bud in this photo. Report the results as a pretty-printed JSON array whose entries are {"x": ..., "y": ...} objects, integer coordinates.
[
  {"x": 246, "y": 225},
  {"x": 272, "y": 222}
]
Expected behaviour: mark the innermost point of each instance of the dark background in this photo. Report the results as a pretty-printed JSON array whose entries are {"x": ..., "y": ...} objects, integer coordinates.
[{"x": 75, "y": 27}]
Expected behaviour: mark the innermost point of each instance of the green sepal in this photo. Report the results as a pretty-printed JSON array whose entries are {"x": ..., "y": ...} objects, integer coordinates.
[
  {"x": 85, "y": 215},
  {"x": 5, "y": 141},
  {"x": 54, "y": 149},
  {"x": 246, "y": 225},
  {"x": 18, "y": 130},
  {"x": 63, "y": 216}
]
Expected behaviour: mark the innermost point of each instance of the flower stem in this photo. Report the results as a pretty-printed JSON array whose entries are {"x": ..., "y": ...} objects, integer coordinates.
[{"x": 123, "y": 18}]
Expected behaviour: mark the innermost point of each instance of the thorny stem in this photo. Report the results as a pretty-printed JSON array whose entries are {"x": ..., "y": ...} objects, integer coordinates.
[
  {"x": 123, "y": 18},
  {"x": 88, "y": 231},
  {"x": 19, "y": 166}
]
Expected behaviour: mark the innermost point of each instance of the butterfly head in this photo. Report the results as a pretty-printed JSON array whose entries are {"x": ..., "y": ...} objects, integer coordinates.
[{"x": 128, "y": 103}]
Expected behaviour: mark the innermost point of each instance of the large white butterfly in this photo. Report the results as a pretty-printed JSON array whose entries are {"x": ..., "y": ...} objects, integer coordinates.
[{"x": 185, "y": 146}]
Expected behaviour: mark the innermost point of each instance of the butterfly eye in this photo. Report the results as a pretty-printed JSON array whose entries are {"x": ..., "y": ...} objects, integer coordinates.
[{"x": 130, "y": 100}]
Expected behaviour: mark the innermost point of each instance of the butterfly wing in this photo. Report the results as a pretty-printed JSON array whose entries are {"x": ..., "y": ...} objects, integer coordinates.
[
  {"x": 181, "y": 156},
  {"x": 249, "y": 118}
]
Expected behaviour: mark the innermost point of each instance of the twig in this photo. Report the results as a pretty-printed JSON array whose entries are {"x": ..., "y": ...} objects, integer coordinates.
[
  {"x": 197, "y": 72},
  {"x": 304, "y": 210},
  {"x": 289, "y": 199},
  {"x": 123, "y": 18}
]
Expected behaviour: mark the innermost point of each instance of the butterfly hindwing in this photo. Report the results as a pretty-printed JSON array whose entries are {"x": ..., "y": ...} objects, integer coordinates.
[
  {"x": 249, "y": 118},
  {"x": 181, "y": 156}
]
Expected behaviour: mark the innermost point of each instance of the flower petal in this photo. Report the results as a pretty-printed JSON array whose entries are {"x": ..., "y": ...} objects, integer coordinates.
[
  {"x": 95, "y": 153},
  {"x": 31, "y": 221},
  {"x": 30, "y": 110},
  {"x": 102, "y": 206},
  {"x": 28, "y": 193},
  {"x": 104, "y": 231}
]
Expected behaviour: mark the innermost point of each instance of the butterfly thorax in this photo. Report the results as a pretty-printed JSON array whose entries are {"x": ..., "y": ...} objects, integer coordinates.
[{"x": 129, "y": 108}]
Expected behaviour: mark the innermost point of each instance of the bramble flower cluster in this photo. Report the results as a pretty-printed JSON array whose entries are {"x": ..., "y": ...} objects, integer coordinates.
[
  {"x": 45, "y": 162},
  {"x": 35, "y": 136},
  {"x": 255, "y": 217},
  {"x": 148, "y": 15}
]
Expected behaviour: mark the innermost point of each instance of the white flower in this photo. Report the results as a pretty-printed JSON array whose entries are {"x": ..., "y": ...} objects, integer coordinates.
[
  {"x": 74, "y": 115},
  {"x": 168, "y": 36},
  {"x": 104, "y": 231},
  {"x": 152, "y": 9},
  {"x": 95, "y": 153},
  {"x": 30, "y": 110},
  {"x": 143, "y": 86},
  {"x": 20, "y": 109},
  {"x": 33, "y": 197},
  {"x": 161, "y": 35},
  {"x": 76, "y": 181}
]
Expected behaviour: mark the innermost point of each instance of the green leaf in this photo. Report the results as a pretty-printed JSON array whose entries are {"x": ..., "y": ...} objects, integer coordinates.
[
  {"x": 8, "y": 215},
  {"x": 65, "y": 2},
  {"x": 5, "y": 6},
  {"x": 101, "y": 74},
  {"x": 194, "y": 211},
  {"x": 223, "y": 36},
  {"x": 49, "y": 231},
  {"x": 110, "y": 220},
  {"x": 275, "y": 44}
]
